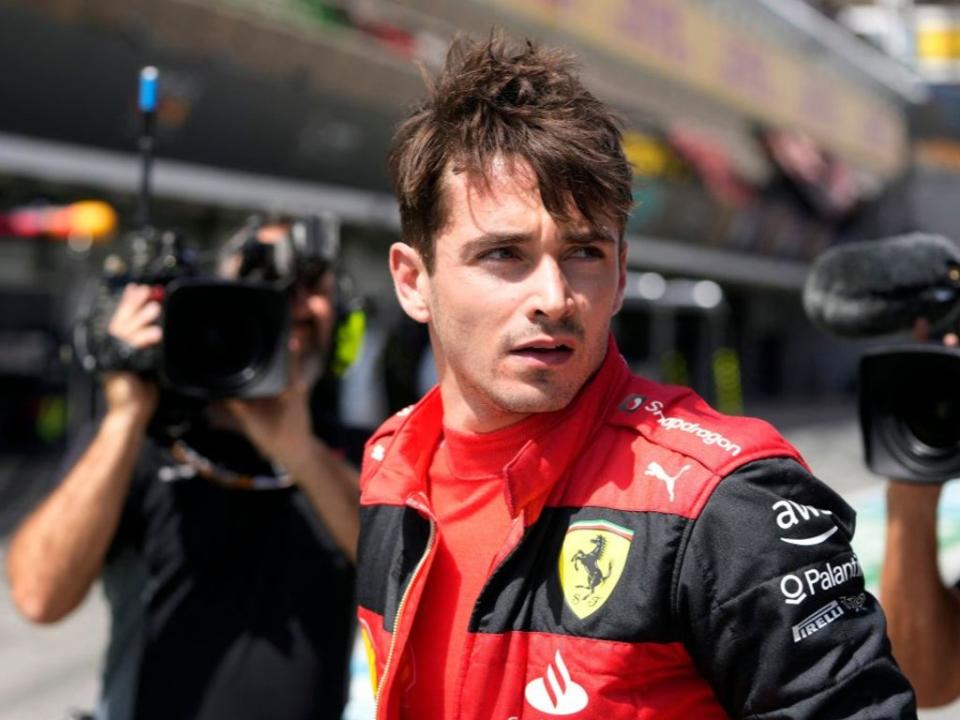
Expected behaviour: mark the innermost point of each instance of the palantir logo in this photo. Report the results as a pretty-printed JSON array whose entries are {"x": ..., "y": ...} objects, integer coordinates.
[{"x": 557, "y": 693}]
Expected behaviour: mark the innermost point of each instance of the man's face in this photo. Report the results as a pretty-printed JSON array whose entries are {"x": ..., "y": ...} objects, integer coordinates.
[
  {"x": 518, "y": 306},
  {"x": 312, "y": 311}
]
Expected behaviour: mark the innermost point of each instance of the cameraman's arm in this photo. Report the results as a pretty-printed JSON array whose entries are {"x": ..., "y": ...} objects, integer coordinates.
[
  {"x": 57, "y": 553},
  {"x": 332, "y": 487},
  {"x": 923, "y": 614},
  {"x": 281, "y": 429}
]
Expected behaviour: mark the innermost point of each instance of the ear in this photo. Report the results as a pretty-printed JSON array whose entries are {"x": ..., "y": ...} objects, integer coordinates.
[
  {"x": 410, "y": 281},
  {"x": 621, "y": 277}
]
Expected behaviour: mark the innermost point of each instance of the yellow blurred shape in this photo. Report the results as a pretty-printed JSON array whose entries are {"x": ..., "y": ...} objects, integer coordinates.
[
  {"x": 647, "y": 154},
  {"x": 942, "y": 44},
  {"x": 91, "y": 218}
]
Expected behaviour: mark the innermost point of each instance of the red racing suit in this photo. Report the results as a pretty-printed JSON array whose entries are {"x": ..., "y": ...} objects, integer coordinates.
[{"x": 665, "y": 561}]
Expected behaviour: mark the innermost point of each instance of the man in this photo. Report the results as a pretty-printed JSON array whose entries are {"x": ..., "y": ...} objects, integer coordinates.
[
  {"x": 544, "y": 534},
  {"x": 924, "y": 611},
  {"x": 226, "y": 554}
]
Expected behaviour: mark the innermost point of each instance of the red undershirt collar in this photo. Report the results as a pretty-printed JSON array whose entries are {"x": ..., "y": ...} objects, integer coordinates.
[{"x": 485, "y": 455}]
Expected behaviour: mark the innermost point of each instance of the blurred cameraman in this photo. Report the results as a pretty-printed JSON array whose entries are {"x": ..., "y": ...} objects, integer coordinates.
[
  {"x": 923, "y": 613},
  {"x": 226, "y": 554}
]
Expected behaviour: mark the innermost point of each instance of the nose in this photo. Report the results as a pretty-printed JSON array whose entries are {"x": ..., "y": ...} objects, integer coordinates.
[{"x": 551, "y": 297}]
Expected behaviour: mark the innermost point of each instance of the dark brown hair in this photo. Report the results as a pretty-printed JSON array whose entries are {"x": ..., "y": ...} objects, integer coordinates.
[{"x": 491, "y": 100}]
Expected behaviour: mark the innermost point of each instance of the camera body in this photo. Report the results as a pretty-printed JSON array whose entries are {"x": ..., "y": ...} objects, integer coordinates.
[
  {"x": 909, "y": 400},
  {"x": 909, "y": 393},
  {"x": 221, "y": 337}
]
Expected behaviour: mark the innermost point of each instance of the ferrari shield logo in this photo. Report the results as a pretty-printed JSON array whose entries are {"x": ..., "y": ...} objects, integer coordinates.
[{"x": 591, "y": 563}]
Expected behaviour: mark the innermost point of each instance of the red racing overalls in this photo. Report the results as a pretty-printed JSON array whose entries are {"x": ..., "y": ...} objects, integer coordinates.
[{"x": 665, "y": 561}]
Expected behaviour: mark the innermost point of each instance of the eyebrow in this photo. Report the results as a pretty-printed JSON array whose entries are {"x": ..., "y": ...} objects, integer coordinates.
[
  {"x": 588, "y": 237},
  {"x": 489, "y": 241}
]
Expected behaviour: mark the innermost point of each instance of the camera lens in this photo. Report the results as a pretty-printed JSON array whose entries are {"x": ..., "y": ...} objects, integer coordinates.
[
  {"x": 228, "y": 346},
  {"x": 928, "y": 409},
  {"x": 225, "y": 339}
]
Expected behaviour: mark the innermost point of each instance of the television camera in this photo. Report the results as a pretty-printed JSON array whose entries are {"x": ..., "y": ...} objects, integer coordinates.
[
  {"x": 221, "y": 337},
  {"x": 909, "y": 393}
]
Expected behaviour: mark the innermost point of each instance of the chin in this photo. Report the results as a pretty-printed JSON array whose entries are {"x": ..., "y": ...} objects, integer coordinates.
[
  {"x": 311, "y": 368},
  {"x": 537, "y": 400}
]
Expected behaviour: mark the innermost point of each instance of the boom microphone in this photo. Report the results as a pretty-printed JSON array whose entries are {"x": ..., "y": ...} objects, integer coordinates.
[{"x": 880, "y": 287}]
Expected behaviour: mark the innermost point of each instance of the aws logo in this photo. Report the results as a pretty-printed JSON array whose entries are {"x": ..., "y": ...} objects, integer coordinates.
[
  {"x": 591, "y": 562},
  {"x": 794, "y": 517}
]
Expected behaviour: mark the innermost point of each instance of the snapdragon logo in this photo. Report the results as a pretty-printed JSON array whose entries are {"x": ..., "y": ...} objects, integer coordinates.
[
  {"x": 796, "y": 588},
  {"x": 707, "y": 437}
]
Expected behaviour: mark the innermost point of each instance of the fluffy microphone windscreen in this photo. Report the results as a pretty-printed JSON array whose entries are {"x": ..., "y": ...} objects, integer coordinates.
[{"x": 882, "y": 286}]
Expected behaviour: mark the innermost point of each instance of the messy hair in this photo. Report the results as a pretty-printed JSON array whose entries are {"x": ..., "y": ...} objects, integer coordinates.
[{"x": 492, "y": 100}]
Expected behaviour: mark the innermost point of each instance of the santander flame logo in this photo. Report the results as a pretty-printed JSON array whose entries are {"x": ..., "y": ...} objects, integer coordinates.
[{"x": 557, "y": 693}]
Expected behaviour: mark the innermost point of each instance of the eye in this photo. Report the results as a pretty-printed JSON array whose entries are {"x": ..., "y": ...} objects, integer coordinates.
[
  {"x": 586, "y": 252},
  {"x": 500, "y": 253}
]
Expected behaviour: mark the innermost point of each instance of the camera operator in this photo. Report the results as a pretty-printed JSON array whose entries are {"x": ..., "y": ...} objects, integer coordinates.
[
  {"x": 923, "y": 613},
  {"x": 227, "y": 554}
]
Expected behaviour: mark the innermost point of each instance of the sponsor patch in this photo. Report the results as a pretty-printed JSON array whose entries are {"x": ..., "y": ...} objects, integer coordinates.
[
  {"x": 655, "y": 469},
  {"x": 797, "y": 587},
  {"x": 854, "y": 603},
  {"x": 794, "y": 517},
  {"x": 591, "y": 563},
  {"x": 817, "y": 621},
  {"x": 556, "y": 693},
  {"x": 706, "y": 436},
  {"x": 632, "y": 403}
]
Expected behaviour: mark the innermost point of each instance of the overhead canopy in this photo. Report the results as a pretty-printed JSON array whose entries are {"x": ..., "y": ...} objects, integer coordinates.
[
  {"x": 174, "y": 180},
  {"x": 703, "y": 50}
]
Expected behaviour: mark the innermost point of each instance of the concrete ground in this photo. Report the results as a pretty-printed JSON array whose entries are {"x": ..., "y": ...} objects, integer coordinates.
[{"x": 46, "y": 672}]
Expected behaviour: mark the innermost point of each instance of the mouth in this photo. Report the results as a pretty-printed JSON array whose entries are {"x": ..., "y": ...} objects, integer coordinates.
[{"x": 546, "y": 352}]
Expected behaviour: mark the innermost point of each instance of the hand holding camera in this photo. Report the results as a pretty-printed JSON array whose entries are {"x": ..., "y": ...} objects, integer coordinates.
[{"x": 133, "y": 325}]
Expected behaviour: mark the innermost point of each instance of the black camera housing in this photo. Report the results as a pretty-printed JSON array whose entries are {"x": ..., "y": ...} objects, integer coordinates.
[
  {"x": 909, "y": 400},
  {"x": 221, "y": 338},
  {"x": 225, "y": 339}
]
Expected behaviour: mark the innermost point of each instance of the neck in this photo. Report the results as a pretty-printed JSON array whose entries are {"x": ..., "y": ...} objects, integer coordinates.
[
  {"x": 465, "y": 419},
  {"x": 464, "y": 411}
]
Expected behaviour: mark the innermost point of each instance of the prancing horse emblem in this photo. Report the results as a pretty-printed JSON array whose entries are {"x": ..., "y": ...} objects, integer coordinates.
[{"x": 591, "y": 562}]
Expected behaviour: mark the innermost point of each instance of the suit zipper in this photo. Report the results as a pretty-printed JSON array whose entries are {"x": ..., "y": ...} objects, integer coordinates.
[{"x": 396, "y": 618}]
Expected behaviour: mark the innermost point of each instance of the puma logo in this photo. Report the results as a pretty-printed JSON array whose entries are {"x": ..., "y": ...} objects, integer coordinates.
[{"x": 657, "y": 471}]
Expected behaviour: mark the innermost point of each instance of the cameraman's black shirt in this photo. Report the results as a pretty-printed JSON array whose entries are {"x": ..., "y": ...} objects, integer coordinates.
[{"x": 226, "y": 603}]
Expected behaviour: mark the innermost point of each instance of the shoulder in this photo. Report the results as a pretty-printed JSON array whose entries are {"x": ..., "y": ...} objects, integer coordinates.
[
  {"x": 663, "y": 449},
  {"x": 382, "y": 448},
  {"x": 381, "y": 439},
  {"x": 680, "y": 421}
]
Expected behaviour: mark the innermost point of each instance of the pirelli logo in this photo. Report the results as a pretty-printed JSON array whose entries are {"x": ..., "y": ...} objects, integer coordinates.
[{"x": 817, "y": 621}]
